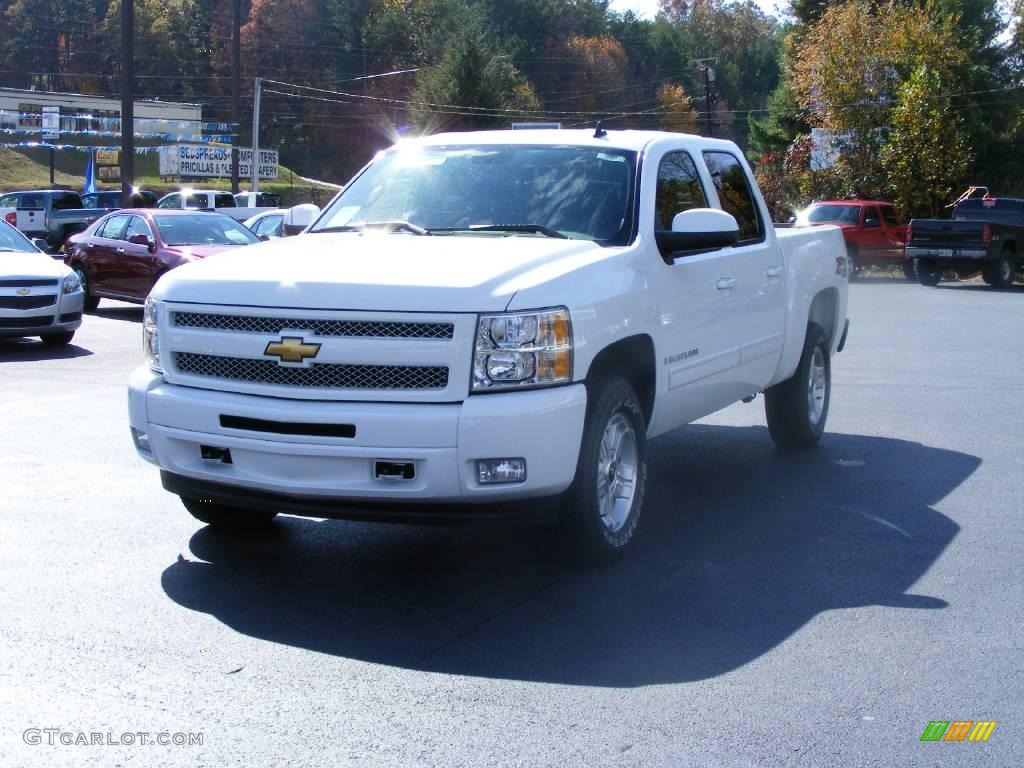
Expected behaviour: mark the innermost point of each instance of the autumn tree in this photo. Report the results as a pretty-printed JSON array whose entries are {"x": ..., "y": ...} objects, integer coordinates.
[
  {"x": 927, "y": 155},
  {"x": 677, "y": 112}
]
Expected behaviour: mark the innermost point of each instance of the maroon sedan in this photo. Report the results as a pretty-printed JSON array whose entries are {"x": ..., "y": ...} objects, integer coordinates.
[{"x": 122, "y": 255}]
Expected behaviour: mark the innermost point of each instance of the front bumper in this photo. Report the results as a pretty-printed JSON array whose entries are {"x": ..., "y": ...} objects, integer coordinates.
[
  {"x": 308, "y": 474},
  {"x": 64, "y": 315}
]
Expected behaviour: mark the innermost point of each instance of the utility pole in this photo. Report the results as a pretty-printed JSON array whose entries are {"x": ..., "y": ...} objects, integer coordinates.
[
  {"x": 236, "y": 88},
  {"x": 127, "y": 101},
  {"x": 256, "y": 139},
  {"x": 709, "y": 96}
]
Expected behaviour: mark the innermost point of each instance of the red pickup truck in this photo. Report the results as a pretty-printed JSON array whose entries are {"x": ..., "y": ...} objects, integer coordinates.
[{"x": 872, "y": 229}]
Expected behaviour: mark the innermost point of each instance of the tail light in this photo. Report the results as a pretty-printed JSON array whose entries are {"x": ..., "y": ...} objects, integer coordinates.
[
  {"x": 910, "y": 232},
  {"x": 986, "y": 234},
  {"x": 12, "y": 219}
]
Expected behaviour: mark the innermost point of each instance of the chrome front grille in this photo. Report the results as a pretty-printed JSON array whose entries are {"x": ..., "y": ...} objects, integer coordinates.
[
  {"x": 317, "y": 375},
  {"x": 318, "y": 326},
  {"x": 28, "y": 302}
]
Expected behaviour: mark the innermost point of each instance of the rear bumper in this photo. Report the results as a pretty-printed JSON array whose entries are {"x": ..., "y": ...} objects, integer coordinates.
[
  {"x": 949, "y": 255},
  {"x": 320, "y": 472}
]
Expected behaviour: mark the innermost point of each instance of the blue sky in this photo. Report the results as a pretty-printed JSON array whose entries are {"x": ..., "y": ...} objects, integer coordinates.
[{"x": 647, "y": 8}]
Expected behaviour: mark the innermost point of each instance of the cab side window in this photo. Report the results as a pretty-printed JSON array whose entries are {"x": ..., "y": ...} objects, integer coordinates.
[
  {"x": 171, "y": 201},
  {"x": 735, "y": 196},
  {"x": 871, "y": 216},
  {"x": 679, "y": 189},
  {"x": 889, "y": 217}
]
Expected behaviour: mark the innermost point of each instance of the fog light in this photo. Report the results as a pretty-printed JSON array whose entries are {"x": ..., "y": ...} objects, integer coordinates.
[
  {"x": 141, "y": 440},
  {"x": 491, "y": 471}
]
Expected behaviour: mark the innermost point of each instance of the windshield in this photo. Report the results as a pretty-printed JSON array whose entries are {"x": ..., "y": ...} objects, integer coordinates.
[
  {"x": 822, "y": 214},
  {"x": 203, "y": 229},
  {"x": 577, "y": 192},
  {"x": 12, "y": 240}
]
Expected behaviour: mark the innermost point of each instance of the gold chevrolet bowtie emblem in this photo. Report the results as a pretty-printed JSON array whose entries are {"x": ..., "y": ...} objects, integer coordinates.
[
  {"x": 24, "y": 291},
  {"x": 291, "y": 349}
]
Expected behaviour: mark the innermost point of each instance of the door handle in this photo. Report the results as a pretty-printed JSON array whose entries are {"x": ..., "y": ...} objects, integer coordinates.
[
  {"x": 726, "y": 283},
  {"x": 120, "y": 250},
  {"x": 773, "y": 271}
]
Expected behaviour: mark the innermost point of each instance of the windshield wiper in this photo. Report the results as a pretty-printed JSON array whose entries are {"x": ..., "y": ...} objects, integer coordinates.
[
  {"x": 538, "y": 229},
  {"x": 387, "y": 226}
]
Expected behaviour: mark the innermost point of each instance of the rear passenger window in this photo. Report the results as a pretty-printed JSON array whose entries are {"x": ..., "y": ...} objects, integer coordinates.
[
  {"x": 113, "y": 228},
  {"x": 65, "y": 202},
  {"x": 889, "y": 216},
  {"x": 734, "y": 194},
  {"x": 679, "y": 189},
  {"x": 224, "y": 201}
]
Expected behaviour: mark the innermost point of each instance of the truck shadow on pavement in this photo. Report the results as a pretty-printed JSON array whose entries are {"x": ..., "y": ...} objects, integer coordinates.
[{"x": 740, "y": 547}]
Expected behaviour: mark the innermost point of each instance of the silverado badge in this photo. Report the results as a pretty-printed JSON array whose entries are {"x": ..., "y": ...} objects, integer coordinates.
[{"x": 291, "y": 349}]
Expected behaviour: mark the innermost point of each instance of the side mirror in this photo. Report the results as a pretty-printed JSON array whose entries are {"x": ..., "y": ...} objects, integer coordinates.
[
  {"x": 299, "y": 217},
  {"x": 41, "y": 244},
  {"x": 871, "y": 223},
  {"x": 141, "y": 239},
  {"x": 264, "y": 238},
  {"x": 696, "y": 231}
]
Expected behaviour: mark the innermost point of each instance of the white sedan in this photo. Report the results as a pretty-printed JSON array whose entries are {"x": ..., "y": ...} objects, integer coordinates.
[{"x": 38, "y": 295}]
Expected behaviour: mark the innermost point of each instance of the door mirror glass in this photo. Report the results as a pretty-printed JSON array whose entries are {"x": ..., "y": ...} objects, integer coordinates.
[{"x": 869, "y": 223}]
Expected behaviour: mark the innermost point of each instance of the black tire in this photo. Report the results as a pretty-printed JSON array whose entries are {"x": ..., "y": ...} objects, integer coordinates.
[
  {"x": 222, "y": 516},
  {"x": 853, "y": 267},
  {"x": 596, "y": 532},
  {"x": 58, "y": 339},
  {"x": 1001, "y": 273},
  {"x": 91, "y": 302},
  {"x": 909, "y": 272},
  {"x": 927, "y": 273},
  {"x": 794, "y": 421}
]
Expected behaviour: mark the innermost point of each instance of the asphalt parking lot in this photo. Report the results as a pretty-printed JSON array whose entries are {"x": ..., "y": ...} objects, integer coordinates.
[{"x": 816, "y": 609}]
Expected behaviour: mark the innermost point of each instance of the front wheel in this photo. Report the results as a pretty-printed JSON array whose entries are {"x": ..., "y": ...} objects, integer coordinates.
[
  {"x": 1000, "y": 274},
  {"x": 225, "y": 517},
  {"x": 797, "y": 408},
  {"x": 927, "y": 273},
  {"x": 601, "y": 509}
]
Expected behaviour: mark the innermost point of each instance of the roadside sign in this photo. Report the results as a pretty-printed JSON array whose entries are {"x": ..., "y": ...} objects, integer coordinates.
[{"x": 51, "y": 123}]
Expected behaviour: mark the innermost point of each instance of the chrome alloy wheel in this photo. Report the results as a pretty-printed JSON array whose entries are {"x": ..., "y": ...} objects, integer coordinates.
[
  {"x": 816, "y": 386},
  {"x": 616, "y": 472},
  {"x": 1006, "y": 271}
]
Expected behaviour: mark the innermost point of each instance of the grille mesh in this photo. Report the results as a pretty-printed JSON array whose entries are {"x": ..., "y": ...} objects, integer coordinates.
[
  {"x": 319, "y": 327},
  {"x": 318, "y": 375},
  {"x": 27, "y": 302}
]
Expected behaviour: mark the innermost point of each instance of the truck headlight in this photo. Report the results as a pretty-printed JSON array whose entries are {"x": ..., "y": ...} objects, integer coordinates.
[
  {"x": 523, "y": 349},
  {"x": 71, "y": 283},
  {"x": 151, "y": 334}
]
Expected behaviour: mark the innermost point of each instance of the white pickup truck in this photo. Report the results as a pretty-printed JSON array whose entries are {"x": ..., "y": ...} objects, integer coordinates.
[
  {"x": 481, "y": 319},
  {"x": 239, "y": 207}
]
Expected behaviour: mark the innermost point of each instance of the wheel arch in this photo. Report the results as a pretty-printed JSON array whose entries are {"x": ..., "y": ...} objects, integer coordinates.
[
  {"x": 632, "y": 358},
  {"x": 824, "y": 311}
]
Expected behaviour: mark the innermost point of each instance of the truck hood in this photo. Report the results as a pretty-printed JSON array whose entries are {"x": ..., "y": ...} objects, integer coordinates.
[
  {"x": 378, "y": 272},
  {"x": 30, "y": 264}
]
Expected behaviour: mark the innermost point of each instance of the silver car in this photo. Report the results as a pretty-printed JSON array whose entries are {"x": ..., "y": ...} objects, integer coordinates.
[{"x": 39, "y": 296}]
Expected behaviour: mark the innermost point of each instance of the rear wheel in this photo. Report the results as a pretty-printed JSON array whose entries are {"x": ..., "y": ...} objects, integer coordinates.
[
  {"x": 58, "y": 339},
  {"x": 91, "y": 302},
  {"x": 602, "y": 507},
  {"x": 908, "y": 270},
  {"x": 1000, "y": 274},
  {"x": 928, "y": 273},
  {"x": 797, "y": 408},
  {"x": 223, "y": 516}
]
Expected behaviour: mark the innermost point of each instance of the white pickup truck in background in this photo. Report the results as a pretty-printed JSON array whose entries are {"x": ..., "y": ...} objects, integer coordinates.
[
  {"x": 489, "y": 317},
  {"x": 239, "y": 207}
]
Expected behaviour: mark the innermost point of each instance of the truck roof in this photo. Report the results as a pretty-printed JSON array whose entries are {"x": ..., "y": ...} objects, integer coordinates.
[{"x": 619, "y": 139}]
